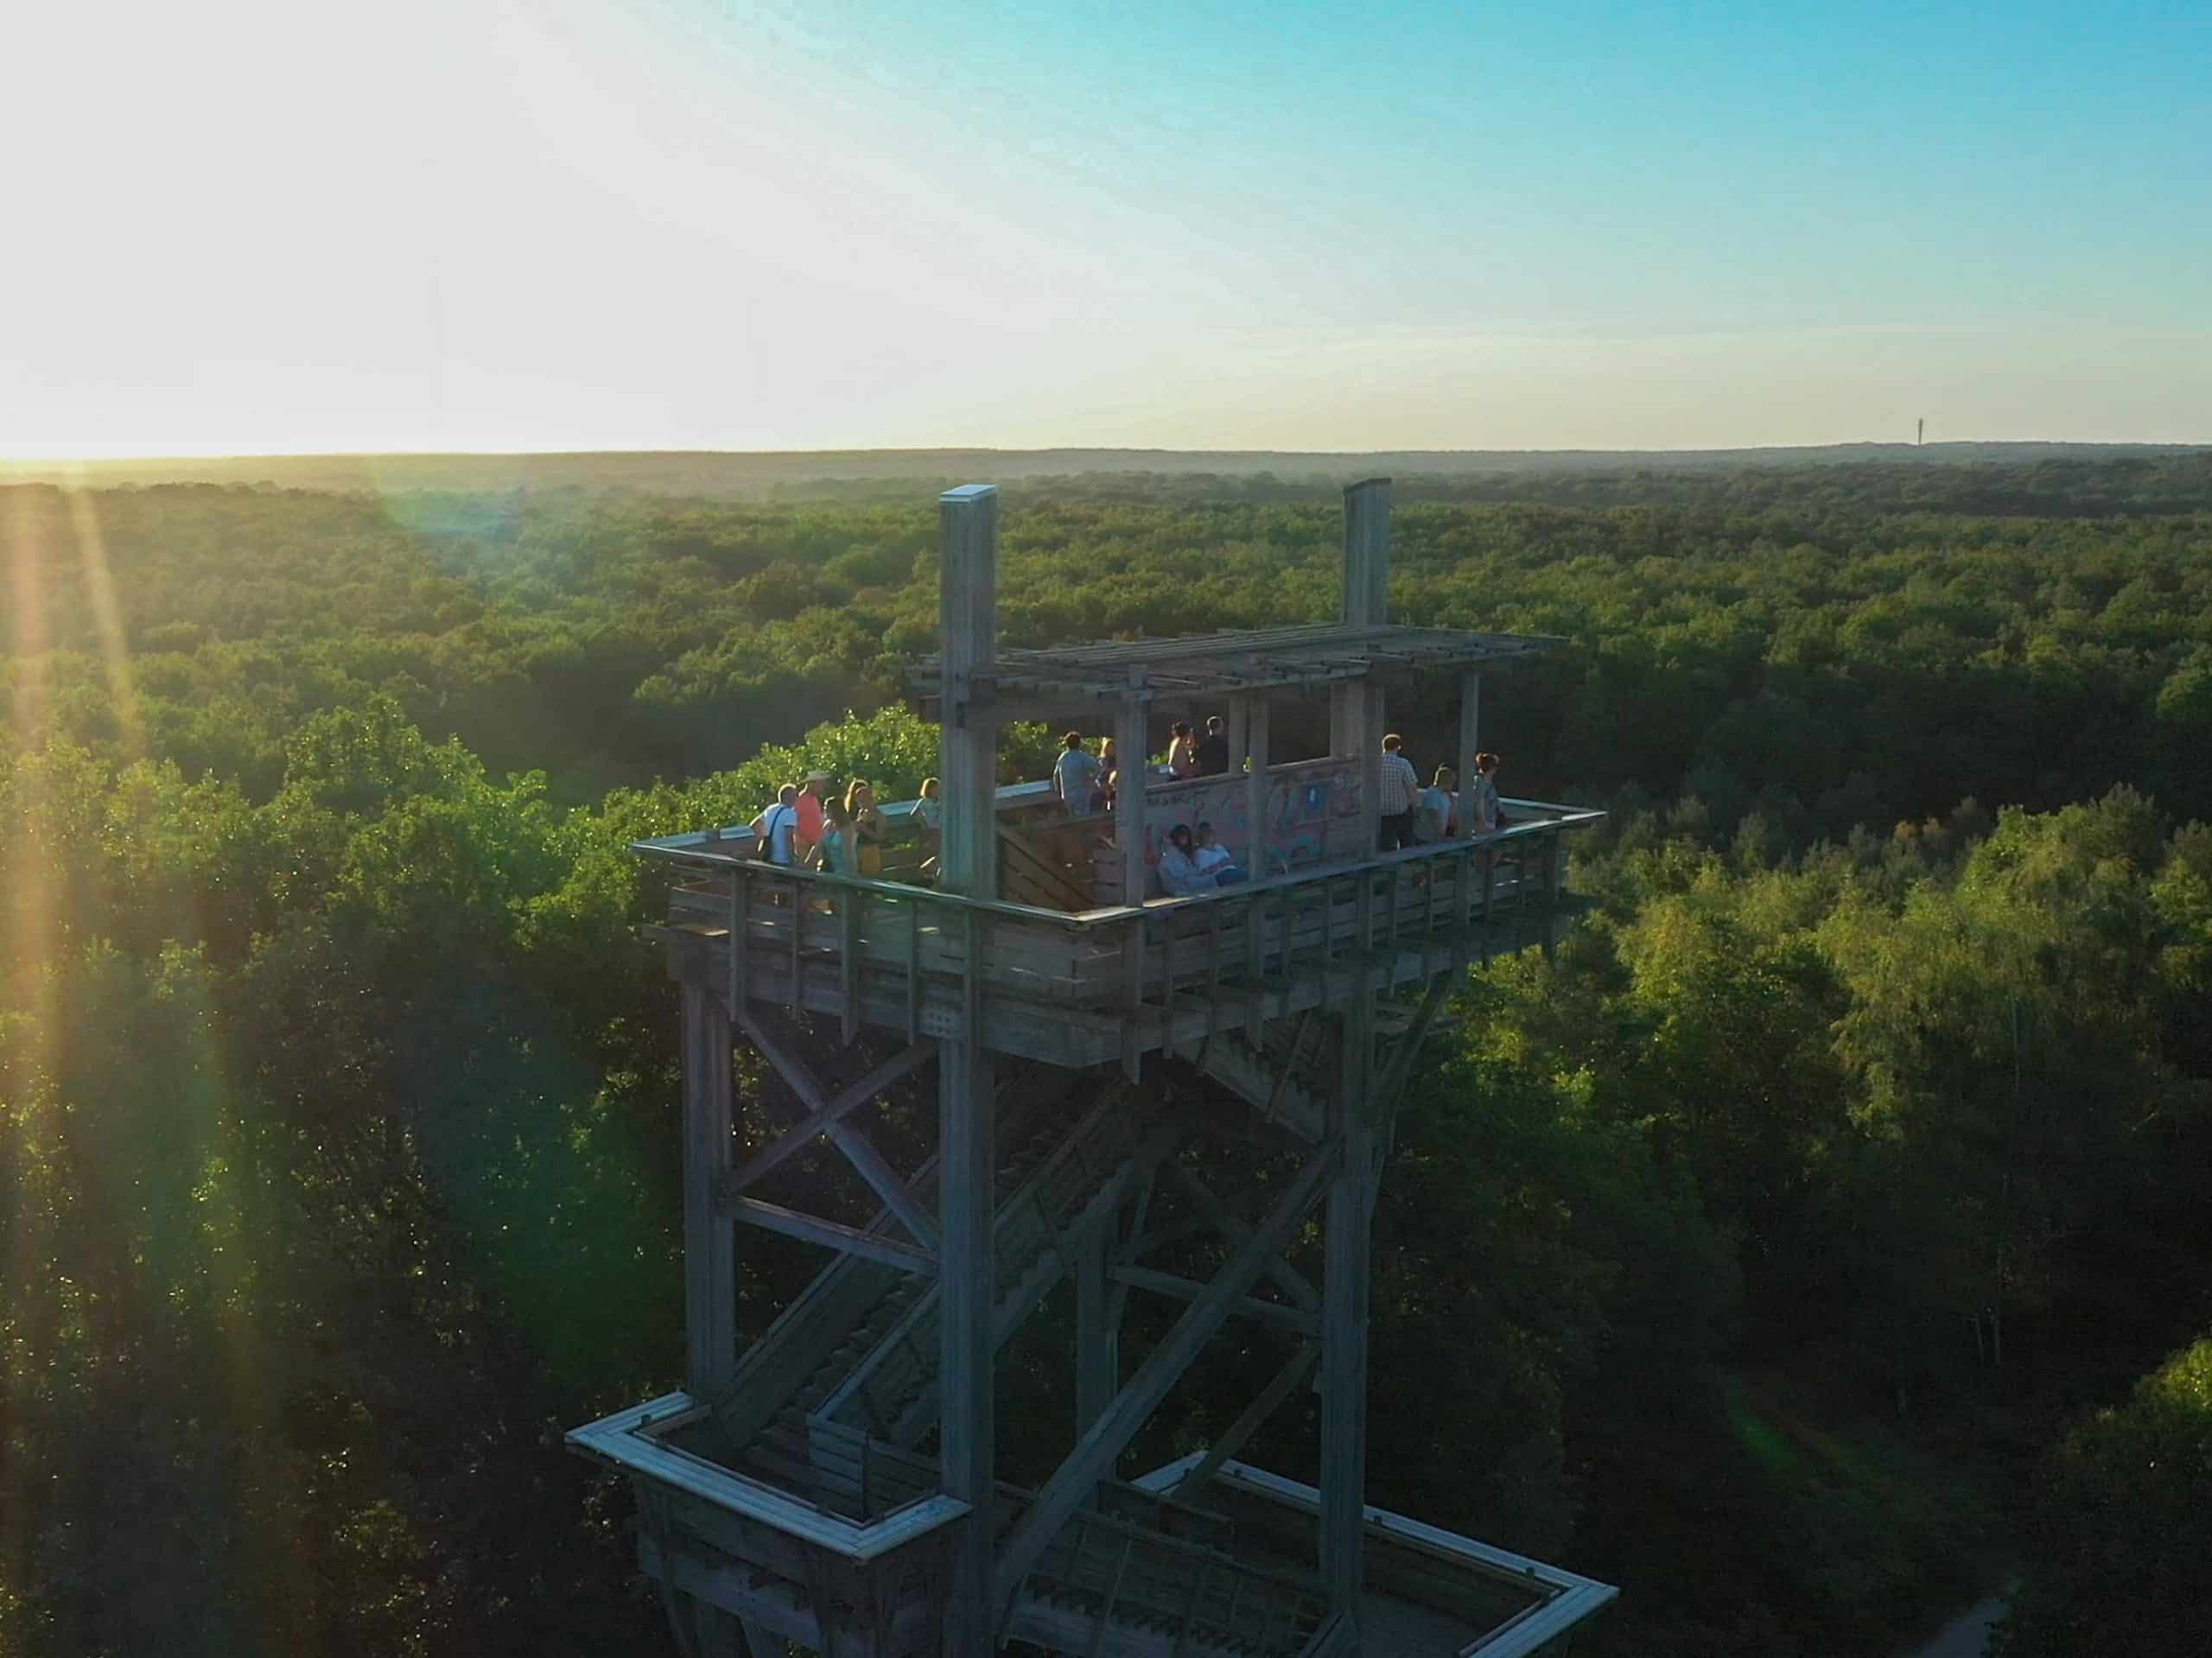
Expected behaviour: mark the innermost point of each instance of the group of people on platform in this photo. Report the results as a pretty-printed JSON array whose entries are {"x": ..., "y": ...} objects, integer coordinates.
[
  {"x": 1413, "y": 816},
  {"x": 811, "y": 826},
  {"x": 1086, "y": 783}
]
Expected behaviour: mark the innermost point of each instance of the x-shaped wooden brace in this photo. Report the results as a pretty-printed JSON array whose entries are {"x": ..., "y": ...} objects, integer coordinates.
[
  {"x": 1094, "y": 1455},
  {"x": 826, "y": 1115}
]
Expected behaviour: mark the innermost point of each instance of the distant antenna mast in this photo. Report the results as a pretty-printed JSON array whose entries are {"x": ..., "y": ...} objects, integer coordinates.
[{"x": 1920, "y": 435}]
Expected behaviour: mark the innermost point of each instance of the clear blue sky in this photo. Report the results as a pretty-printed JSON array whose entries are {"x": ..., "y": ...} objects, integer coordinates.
[{"x": 699, "y": 223}]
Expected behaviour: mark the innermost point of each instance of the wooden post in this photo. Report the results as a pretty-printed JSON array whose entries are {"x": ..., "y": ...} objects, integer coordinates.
[
  {"x": 1256, "y": 787},
  {"x": 1236, "y": 734},
  {"x": 967, "y": 1147},
  {"x": 1355, "y": 709},
  {"x": 968, "y": 519},
  {"x": 1470, "y": 742},
  {"x": 1097, "y": 1341},
  {"x": 1367, "y": 553},
  {"x": 1343, "y": 1318},
  {"x": 1129, "y": 798},
  {"x": 709, "y": 1237}
]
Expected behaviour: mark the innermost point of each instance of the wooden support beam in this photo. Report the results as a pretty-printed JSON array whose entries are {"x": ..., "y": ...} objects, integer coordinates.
[
  {"x": 1239, "y": 1432},
  {"x": 709, "y": 1242},
  {"x": 850, "y": 1240},
  {"x": 822, "y": 1114},
  {"x": 1470, "y": 742},
  {"x": 1129, "y": 754},
  {"x": 966, "y": 1111},
  {"x": 1347, "y": 1253},
  {"x": 1094, "y": 1455},
  {"x": 968, "y": 521},
  {"x": 1288, "y": 1278},
  {"x": 1097, "y": 1333},
  {"x": 1257, "y": 736},
  {"x": 860, "y": 1151},
  {"x": 1272, "y": 1313},
  {"x": 1367, "y": 553}
]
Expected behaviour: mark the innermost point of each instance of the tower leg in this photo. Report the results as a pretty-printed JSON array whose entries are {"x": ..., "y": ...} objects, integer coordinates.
[
  {"x": 710, "y": 1236},
  {"x": 967, "y": 1271},
  {"x": 1343, "y": 1321},
  {"x": 1097, "y": 1340}
]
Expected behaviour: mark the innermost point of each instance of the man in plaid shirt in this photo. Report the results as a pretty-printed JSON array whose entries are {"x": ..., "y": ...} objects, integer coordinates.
[{"x": 1401, "y": 788}]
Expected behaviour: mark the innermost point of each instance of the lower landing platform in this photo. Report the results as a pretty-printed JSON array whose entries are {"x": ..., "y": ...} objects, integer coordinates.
[{"x": 1223, "y": 1573}]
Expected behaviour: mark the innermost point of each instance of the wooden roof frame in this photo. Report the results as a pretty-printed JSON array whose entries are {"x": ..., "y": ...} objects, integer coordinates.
[{"x": 1030, "y": 683}]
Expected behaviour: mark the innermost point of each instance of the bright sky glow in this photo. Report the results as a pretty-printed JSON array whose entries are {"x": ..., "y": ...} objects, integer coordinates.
[{"x": 257, "y": 227}]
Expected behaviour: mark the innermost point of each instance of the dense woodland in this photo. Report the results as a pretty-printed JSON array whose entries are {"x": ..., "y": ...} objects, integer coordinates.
[{"x": 1818, "y": 1241}]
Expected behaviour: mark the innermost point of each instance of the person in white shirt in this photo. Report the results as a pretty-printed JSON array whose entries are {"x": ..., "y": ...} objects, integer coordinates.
[
  {"x": 1212, "y": 860},
  {"x": 773, "y": 830},
  {"x": 1488, "y": 818},
  {"x": 930, "y": 809},
  {"x": 1401, "y": 784},
  {"x": 1179, "y": 874},
  {"x": 1433, "y": 820},
  {"x": 1073, "y": 774}
]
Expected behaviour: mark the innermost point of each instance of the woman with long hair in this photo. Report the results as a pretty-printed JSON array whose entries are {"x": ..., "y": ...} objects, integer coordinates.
[{"x": 1488, "y": 818}]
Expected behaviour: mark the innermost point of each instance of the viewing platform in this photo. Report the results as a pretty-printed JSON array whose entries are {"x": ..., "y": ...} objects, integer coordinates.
[
  {"x": 1082, "y": 986},
  {"x": 1187, "y": 1096}
]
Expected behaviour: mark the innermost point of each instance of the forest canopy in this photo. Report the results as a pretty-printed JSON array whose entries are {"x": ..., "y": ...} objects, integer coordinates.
[{"x": 1783, "y": 1237}]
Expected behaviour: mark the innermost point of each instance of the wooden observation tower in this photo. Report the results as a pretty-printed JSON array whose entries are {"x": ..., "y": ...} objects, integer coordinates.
[{"x": 1186, "y": 1100}]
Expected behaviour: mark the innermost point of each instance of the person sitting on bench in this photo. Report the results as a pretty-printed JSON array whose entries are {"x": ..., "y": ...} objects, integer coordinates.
[{"x": 1214, "y": 860}]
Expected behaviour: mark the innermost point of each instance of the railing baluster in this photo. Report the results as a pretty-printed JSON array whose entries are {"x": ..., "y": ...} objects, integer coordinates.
[{"x": 914, "y": 968}]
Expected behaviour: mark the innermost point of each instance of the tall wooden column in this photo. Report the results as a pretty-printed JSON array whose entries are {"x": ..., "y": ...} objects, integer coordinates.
[
  {"x": 1255, "y": 786},
  {"x": 1347, "y": 1261},
  {"x": 1129, "y": 743},
  {"x": 1470, "y": 741},
  {"x": 967, "y": 1148},
  {"x": 1355, "y": 709},
  {"x": 1097, "y": 1338},
  {"x": 709, "y": 1237}
]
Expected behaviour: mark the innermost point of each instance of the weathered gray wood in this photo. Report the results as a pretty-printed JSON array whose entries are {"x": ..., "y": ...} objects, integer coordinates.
[
  {"x": 774, "y": 1218},
  {"x": 823, "y": 1114},
  {"x": 710, "y": 1242},
  {"x": 1129, "y": 752},
  {"x": 967, "y": 1284},
  {"x": 1346, "y": 1252},
  {"x": 1471, "y": 743},
  {"x": 1094, "y": 1456},
  {"x": 1264, "y": 1404},
  {"x": 859, "y": 1150},
  {"x": 1098, "y": 1335},
  {"x": 1256, "y": 735},
  {"x": 968, "y": 1153},
  {"x": 1286, "y": 1277},
  {"x": 1272, "y": 1313},
  {"x": 1367, "y": 553},
  {"x": 967, "y": 627}
]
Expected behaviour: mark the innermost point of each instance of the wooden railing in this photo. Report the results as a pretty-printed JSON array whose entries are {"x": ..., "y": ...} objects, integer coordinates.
[{"x": 891, "y": 953}]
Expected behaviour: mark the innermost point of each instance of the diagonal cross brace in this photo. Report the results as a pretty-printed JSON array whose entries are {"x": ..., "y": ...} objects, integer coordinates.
[
  {"x": 1288, "y": 1277},
  {"x": 1094, "y": 1456},
  {"x": 797, "y": 1138},
  {"x": 859, "y": 1150}
]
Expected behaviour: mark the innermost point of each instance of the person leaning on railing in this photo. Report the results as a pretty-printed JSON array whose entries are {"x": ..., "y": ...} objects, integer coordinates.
[
  {"x": 1488, "y": 816},
  {"x": 1073, "y": 774},
  {"x": 773, "y": 830},
  {"x": 1179, "y": 874},
  {"x": 1434, "y": 818},
  {"x": 1400, "y": 785},
  {"x": 1183, "y": 752},
  {"x": 867, "y": 827}
]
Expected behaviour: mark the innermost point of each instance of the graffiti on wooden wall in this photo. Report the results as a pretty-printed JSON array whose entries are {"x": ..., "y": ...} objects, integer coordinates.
[{"x": 1312, "y": 813}]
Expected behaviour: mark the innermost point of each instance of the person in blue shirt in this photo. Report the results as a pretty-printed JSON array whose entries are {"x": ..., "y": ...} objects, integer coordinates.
[
  {"x": 1073, "y": 774},
  {"x": 773, "y": 830}
]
